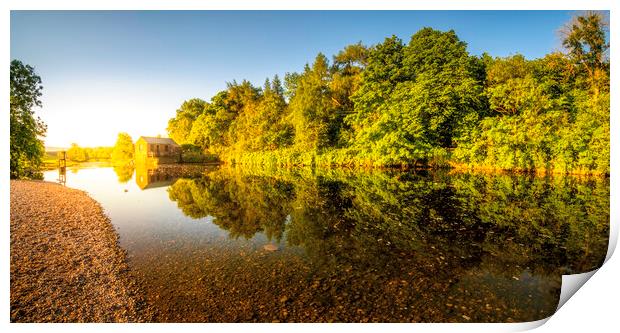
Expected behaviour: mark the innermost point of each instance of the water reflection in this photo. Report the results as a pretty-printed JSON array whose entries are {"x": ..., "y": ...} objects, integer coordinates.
[
  {"x": 363, "y": 246},
  {"x": 243, "y": 207},
  {"x": 124, "y": 172},
  {"x": 62, "y": 175},
  {"x": 450, "y": 247},
  {"x": 153, "y": 177},
  {"x": 563, "y": 220}
]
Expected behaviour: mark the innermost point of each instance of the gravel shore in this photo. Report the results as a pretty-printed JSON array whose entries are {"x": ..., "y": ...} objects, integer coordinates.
[{"x": 66, "y": 264}]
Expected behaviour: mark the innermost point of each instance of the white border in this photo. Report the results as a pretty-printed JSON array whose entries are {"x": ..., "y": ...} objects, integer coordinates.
[{"x": 313, "y": 4}]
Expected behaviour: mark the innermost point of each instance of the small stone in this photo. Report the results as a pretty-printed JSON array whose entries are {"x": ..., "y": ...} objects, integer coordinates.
[{"x": 271, "y": 247}]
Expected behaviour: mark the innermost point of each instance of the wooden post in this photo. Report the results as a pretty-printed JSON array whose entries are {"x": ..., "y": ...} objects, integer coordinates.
[{"x": 62, "y": 167}]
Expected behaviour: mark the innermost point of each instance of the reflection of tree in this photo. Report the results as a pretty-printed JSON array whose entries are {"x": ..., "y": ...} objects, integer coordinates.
[
  {"x": 445, "y": 228},
  {"x": 243, "y": 206},
  {"x": 124, "y": 172},
  {"x": 417, "y": 240},
  {"x": 452, "y": 234},
  {"x": 561, "y": 222}
]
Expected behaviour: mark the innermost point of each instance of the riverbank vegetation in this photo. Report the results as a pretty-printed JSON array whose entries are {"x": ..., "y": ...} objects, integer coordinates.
[
  {"x": 77, "y": 155},
  {"x": 85, "y": 154},
  {"x": 121, "y": 154},
  {"x": 123, "y": 151},
  {"x": 27, "y": 131},
  {"x": 427, "y": 102}
]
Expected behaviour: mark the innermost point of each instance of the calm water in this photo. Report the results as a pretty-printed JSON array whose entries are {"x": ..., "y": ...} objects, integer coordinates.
[{"x": 224, "y": 244}]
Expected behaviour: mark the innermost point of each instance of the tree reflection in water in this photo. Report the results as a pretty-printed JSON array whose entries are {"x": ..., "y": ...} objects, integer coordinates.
[
  {"x": 402, "y": 246},
  {"x": 124, "y": 172}
]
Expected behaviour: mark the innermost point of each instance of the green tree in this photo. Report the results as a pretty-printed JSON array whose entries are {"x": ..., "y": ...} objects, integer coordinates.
[
  {"x": 77, "y": 153},
  {"x": 585, "y": 39},
  {"x": 243, "y": 104},
  {"x": 218, "y": 129},
  {"x": 414, "y": 100},
  {"x": 426, "y": 102},
  {"x": 312, "y": 110},
  {"x": 270, "y": 128},
  {"x": 549, "y": 114},
  {"x": 26, "y": 145},
  {"x": 347, "y": 69},
  {"x": 382, "y": 72},
  {"x": 123, "y": 150},
  {"x": 445, "y": 87},
  {"x": 180, "y": 126},
  {"x": 512, "y": 88}
]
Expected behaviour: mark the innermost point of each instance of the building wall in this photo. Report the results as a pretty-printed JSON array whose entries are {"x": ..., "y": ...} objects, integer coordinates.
[
  {"x": 141, "y": 150},
  {"x": 145, "y": 150}
]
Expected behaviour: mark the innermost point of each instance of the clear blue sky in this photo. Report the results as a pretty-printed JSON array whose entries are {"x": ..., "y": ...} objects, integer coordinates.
[{"x": 105, "y": 72}]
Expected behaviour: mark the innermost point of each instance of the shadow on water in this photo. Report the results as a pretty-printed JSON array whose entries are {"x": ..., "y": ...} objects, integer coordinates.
[{"x": 331, "y": 245}]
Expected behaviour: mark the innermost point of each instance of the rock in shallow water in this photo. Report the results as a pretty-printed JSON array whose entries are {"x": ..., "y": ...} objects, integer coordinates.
[{"x": 271, "y": 247}]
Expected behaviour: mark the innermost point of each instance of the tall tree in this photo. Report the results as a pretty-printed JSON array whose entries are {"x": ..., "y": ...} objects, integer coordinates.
[
  {"x": 312, "y": 108},
  {"x": 218, "y": 128},
  {"x": 347, "y": 69},
  {"x": 512, "y": 87},
  {"x": 445, "y": 87},
  {"x": 584, "y": 38},
  {"x": 274, "y": 132},
  {"x": 243, "y": 102},
  {"x": 180, "y": 127},
  {"x": 123, "y": 150},
  {"x": 416, "y": 98},
  {"x": 26, "y": 144},
  {"x": 382, "y": 72}
]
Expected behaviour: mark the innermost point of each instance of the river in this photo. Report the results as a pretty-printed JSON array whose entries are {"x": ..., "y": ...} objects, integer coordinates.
[{"x": 225, "y": 244}]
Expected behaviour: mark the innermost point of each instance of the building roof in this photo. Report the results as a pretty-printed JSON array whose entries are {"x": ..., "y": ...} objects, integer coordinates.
[{"x": 159, "y": 141}]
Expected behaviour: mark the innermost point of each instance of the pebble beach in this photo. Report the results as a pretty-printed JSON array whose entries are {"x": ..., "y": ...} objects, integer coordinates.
[{"x": 66, "y": 264}]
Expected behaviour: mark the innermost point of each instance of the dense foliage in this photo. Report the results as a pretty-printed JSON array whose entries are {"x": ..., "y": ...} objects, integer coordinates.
[
  {"x": 27, "y": 131},
  {"x": 84, "y": 154},
  {"x": 123, "y": 150},
  {"x": 426, "y": 102}
]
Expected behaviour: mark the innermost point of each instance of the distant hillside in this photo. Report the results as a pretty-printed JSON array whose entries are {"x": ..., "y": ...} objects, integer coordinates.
[{"x": 54, "y": 149}]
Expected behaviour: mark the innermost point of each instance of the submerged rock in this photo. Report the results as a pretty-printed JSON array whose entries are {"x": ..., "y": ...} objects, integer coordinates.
[{"x": 271, "y": 247}]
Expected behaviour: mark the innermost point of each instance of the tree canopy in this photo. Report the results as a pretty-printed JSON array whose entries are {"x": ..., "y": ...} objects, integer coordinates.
[
  {"x": 123, "y": 150},
  {"x": 180, "y": 126},
  {"x": 425, "y": 102},
  {"x": 27, "y": 131}
]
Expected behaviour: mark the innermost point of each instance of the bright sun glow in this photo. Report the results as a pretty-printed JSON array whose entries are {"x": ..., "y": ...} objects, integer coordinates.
[{"x": 95, "y": 113}]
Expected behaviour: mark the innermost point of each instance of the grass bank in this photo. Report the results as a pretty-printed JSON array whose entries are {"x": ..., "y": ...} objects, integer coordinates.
[{"x": 436, "y": 159}]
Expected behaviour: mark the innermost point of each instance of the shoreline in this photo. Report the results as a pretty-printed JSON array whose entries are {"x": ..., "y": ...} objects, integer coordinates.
[
  {"x": 66, "y": 264},
  {"x": 330, "y": 160},
  {"x": 450, "y": 168}
]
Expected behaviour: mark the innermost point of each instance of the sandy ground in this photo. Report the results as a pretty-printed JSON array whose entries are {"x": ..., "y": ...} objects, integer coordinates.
[{"x": 66, "y": 264}]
